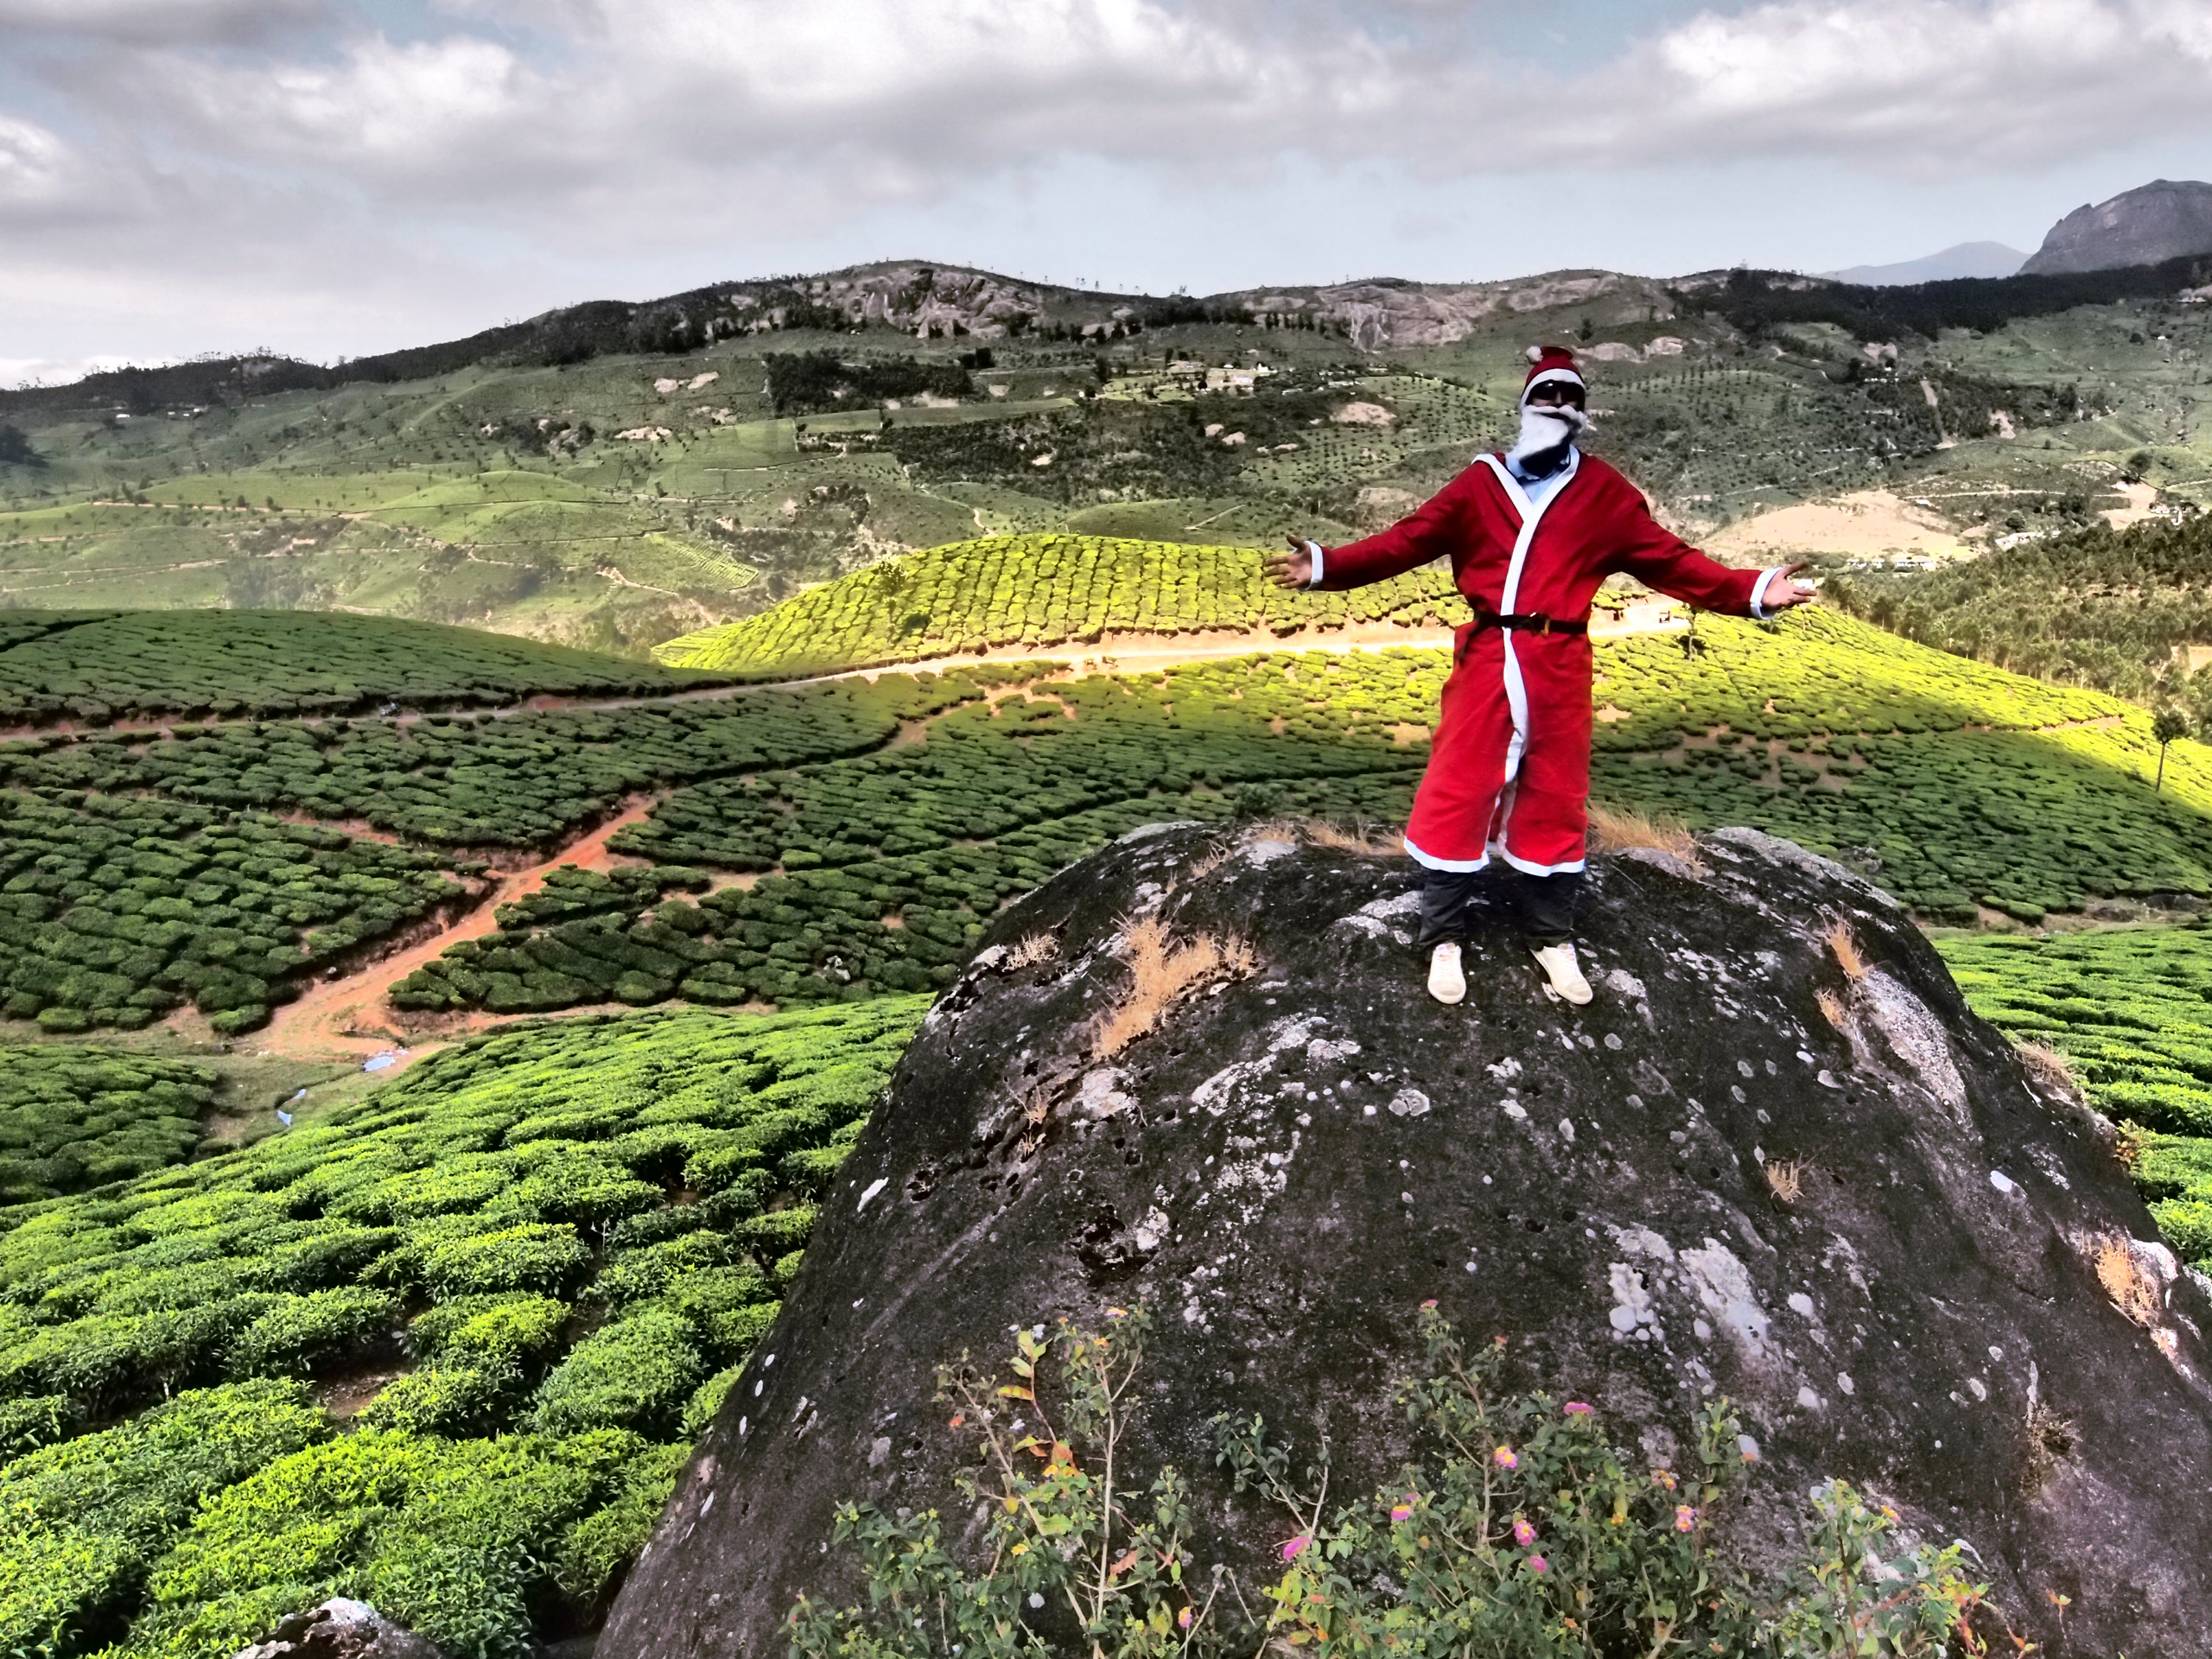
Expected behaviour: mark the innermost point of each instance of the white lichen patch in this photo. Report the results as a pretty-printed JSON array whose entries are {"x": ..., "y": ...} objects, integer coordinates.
[
  {"x": 1915, "y": 1037},
  {"x": 1408, "y": 1102},
  {"x": 1722, "y": 1285},
  {"x": 1632, "y": 1313}
]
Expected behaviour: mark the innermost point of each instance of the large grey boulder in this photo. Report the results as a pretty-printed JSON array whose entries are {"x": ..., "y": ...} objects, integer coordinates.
[{"x": 1286, "y": 1168}]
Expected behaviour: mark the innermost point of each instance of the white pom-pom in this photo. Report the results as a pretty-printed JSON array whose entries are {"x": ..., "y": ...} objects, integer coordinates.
[{"x": 1535, "y": 353}]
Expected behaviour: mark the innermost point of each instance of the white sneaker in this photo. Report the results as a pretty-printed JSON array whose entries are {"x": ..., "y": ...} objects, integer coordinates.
[
  {"x": 1446, "y": 983},
  {"x": 1563, "y": 971}
]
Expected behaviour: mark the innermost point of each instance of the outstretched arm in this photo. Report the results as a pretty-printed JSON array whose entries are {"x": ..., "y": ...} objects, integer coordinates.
[
  {"x": 1421, "y": 536},
  {"x": 1665, "y": 563}
]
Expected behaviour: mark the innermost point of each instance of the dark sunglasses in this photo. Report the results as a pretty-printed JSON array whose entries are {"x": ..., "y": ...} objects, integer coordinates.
[{"x": 1557, "y": 391}]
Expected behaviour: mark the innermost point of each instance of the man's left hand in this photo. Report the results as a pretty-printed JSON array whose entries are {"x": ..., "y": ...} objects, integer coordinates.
[{"x": 1782, "y": 593}]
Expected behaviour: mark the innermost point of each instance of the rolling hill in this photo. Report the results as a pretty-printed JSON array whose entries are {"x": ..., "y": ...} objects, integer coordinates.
[{"x": 613, "y": 476}]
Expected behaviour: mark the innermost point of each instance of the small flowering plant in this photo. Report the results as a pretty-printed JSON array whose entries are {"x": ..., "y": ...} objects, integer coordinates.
[
  {"x": 1523, "y": 1533},
  {"x": 1518, "y": 1532}
]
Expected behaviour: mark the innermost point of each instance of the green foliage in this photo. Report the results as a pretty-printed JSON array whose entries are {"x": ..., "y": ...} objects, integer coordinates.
[
  {"x": 637, "y": 1373},
  {"x": 2131, "y": 1010},
  {"x": 87, "y": 1516},
  {"x": 2096, "y": 606},
  {"x": 493, "y": 1191},
  {"x": 115, "y": 910},
  {"x": 597, "y": 1551},
  {"x": 1037, "y": 590},
  {"x": 94, "y": 666},
  {"x": 72, "y": 1117},
  {"x": 441, "y": 1535},
  {"x": 1521, "y": 1532}
]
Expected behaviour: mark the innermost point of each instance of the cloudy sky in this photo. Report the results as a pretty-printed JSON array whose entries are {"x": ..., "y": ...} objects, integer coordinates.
[{"x": 333, "y": 177}]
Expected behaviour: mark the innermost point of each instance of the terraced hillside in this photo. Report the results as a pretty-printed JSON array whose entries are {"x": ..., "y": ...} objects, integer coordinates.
[
  {"x": 615, "y": 481},
  {"x": 2129, "y": 612}
]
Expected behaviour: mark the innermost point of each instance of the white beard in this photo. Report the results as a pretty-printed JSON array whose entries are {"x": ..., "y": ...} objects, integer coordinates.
[{"x": 1545, "y": 434}]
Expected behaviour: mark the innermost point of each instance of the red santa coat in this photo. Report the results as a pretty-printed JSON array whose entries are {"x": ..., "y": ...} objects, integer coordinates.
[{"x": 1509, "y": 769}]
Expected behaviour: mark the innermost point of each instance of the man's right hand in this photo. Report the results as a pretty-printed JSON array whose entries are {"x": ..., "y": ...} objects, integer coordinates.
[{"x": 1291, "y": 570}]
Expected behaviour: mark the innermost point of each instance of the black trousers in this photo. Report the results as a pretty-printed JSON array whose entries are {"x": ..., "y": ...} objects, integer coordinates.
[{"x": 1543, "y": 905}]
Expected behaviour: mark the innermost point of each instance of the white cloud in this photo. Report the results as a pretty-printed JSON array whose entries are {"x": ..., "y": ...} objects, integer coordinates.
[
  {"x": 299, "y": 149},
  {"x": 1926, "y": 86}
]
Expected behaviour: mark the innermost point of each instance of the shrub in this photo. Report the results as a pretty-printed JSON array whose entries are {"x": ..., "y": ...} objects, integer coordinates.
[{"x": 636, "y": 1374}]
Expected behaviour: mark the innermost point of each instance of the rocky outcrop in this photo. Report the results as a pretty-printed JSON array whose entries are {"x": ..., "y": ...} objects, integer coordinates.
[
  {"x": 2163, "y": 220},
  {"x": 342, "y": 1628},
  {"x": 1777, "y": 1158}
]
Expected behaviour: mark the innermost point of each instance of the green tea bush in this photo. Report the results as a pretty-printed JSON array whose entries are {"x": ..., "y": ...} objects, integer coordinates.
[
  {"x": 1039, "y": 590},
  {"x": 95, "y": 665},
  {"x": 87, "y": 1516},
  {"x": 74, "y": 1117},
  {"x": 1520, "y": 1531},
  {"x": 481, "y": 1212}
]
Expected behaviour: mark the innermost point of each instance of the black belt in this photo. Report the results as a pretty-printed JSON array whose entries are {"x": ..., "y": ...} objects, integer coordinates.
[{"x": 1534, "y": 622}]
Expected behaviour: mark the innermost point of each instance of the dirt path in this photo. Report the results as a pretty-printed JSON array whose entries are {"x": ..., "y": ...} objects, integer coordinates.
[{"x": 351, "y": 1016}]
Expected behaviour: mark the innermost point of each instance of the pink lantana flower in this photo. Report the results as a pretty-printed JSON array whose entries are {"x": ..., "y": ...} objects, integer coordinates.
[
  {"x": 1503, "y": 1457},
  {"x": 1577, "y": 1408},
  {"x": 1402, "y": 1509},
  {"x": 1665, "y": 1477},
  {"x": 1523, "y": 1534},
  {"x": 1685, "y": 1517},
  {"x": 1183, "y": 1619},
  {"x": 1538, "y": 1564},
  {"x": 1296, "y": 1547}
]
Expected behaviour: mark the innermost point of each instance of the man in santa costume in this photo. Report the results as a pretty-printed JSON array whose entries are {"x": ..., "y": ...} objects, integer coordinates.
[{"x": 1531, "y": 532}]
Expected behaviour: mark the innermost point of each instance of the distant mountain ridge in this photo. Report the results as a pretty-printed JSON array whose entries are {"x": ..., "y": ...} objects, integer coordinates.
[
  {"x": 2163, "y": 220},
  {"x": 1962, "y": 259}
]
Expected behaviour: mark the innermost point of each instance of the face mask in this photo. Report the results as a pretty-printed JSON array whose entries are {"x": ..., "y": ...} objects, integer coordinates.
[{"x": 1545, "y": 433}]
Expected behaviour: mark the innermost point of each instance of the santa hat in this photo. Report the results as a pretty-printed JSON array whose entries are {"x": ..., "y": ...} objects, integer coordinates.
[{"x": 1548, "y": 363}]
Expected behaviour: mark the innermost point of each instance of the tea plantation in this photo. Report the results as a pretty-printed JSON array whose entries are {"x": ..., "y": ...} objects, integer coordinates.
[
  {"x": 115, "y": 909},
  {"x": 542, "y": 1252},
  {"x": 2131, "y": 1010},
  {"x": 94, "y": 665},
  {"x": 1959, "y": 787},
  {"x": 75, "y": 1118},
  {"x": 1039, "y": 590}
]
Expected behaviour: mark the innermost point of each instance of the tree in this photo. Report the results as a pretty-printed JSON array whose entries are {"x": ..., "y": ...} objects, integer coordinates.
[{"x": 2168, "y": 726}]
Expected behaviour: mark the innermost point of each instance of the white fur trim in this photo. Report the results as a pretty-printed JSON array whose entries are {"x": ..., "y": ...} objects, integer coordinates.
[
  {"x": 1314, "y": 552},
  {"x": 1516, "y": 690},
  {"x": 1454, "y": 865},
  {"x": 1759, "y": 612},
  {"x": 1528, "y": 869}
]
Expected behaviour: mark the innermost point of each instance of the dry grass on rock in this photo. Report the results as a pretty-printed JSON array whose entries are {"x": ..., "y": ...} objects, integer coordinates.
[{"x": 1163, "y": 973}]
